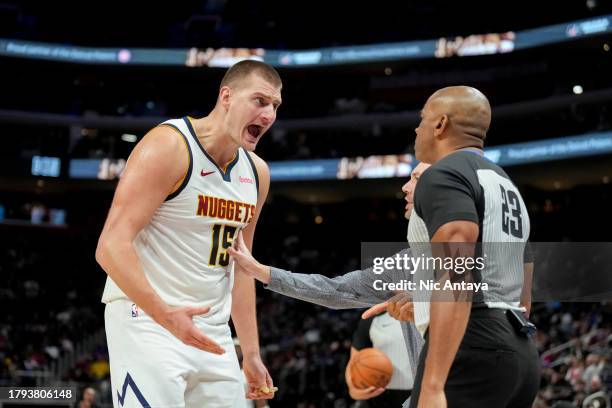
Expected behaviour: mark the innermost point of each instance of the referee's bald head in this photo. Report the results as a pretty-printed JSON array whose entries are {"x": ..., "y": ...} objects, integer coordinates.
[
  {"x": 468, "y": 110},
  {"x": 454, "y": 117}
]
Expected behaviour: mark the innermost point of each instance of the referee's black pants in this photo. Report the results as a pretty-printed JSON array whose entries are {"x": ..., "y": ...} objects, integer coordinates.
[{"x": 494, "y": 367}]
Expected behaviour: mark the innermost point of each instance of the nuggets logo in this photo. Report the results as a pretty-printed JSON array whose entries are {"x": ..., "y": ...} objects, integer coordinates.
[{"x": 225, "y": 209}]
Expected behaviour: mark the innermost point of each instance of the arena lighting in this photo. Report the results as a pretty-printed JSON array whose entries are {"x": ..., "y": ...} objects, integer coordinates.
[
  {"x": 577, "y": 89},
  {"x": 46, "y": 166},
  {"x": 126, "y": 137},
  {"x": 469, "y": 45}
]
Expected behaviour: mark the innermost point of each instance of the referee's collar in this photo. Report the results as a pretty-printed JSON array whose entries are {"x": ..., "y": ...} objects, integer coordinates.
[{"x": 473, "y": 150}]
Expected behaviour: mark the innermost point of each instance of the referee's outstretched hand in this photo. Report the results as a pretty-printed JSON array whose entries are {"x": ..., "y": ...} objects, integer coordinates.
[
  {"x": 375, "y": 310},
  {"x": 179, "y": 322},
  {"x": 245, "y": 262},
  {"x": 400, "y": 307}
]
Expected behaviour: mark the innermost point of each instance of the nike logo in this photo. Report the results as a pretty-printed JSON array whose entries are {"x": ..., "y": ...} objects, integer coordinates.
[{"x": 205, "y": 173}]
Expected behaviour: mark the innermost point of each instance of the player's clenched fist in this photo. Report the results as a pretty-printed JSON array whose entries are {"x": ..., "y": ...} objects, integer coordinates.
[
  {"x": 260, "y": 385},
  {"x": 179, "y": 322}
]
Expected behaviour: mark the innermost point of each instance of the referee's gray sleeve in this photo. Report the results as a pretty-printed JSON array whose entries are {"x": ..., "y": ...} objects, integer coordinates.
[
  {"x": 352, "y": 290},
  {"x": 347, "y": 291}
]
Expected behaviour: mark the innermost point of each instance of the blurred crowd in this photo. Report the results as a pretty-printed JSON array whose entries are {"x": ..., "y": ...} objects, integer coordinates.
[
  {"x": 574, "y": 341},
  {"x": 46, "y": 302}
]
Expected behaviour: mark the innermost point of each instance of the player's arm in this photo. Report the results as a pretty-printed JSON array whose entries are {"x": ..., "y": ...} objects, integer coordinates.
[
  {"x": 244, "y": 314},
  {"x": 243, "y": 293},
  {"x": 359, "y": 394},
  {"x": 155, "y": 169},
  {"x": 361, "y": 340}
]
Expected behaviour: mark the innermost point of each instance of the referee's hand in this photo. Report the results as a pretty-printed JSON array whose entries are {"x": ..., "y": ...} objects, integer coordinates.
[
  {"x": 431, "y": 399},
  {"x": 375, "y": 310},
  {"x": 179, "y": 322},
  {"x": 400, "y": 307},
  {"x": 245, "y": 262}
]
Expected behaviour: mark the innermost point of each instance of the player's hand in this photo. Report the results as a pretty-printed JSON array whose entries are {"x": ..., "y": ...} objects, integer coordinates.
[
  {"x": 179, "y": 322},
  {"x": 360, "y": 394},
  {"x": 258, "y": 379},
  {"x": 432, "y": 399},
  {"x": 246, "y": 263}
]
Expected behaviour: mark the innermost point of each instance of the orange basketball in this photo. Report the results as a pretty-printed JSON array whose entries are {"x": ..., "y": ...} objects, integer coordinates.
[{"x": 371, "y": 368}]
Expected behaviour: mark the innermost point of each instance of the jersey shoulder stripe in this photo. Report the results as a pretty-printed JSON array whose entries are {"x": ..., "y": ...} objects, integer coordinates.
[
  {"x": 187, "y": 175},
  {"x": 255, "y": 174}
]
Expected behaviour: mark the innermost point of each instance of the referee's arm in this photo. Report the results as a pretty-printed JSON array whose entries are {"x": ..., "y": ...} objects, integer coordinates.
[
  {"x": 448, "y": 319},
  {"x": 528, "y": 265},
  {"x": 446, "y": 201}
]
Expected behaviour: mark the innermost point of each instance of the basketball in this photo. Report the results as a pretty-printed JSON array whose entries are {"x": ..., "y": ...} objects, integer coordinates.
[{"x": 371, "y": 368}]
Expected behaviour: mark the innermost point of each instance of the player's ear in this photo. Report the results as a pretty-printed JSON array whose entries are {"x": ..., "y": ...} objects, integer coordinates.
[
  {"x": 225, "y": 94},
  {"x": 441, "y": 125}
]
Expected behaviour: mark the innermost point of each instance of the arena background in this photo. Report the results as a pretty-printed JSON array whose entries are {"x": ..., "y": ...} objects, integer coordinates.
[{"x": 69, "y": 117}]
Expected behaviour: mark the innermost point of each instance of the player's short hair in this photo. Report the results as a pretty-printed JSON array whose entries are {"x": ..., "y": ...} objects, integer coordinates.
[{"x": 244, "y": 68}]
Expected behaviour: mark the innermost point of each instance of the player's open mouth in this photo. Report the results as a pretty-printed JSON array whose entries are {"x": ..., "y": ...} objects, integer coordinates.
[{"x": 254, "y": 130}]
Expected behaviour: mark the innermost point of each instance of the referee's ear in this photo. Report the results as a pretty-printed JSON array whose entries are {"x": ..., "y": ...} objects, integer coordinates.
[{"x": 441, "y": 125}]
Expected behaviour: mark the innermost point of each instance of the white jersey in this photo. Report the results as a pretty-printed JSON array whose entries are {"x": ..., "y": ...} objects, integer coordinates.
[
  {"x": 183, "y": 249},
  {"x": 386, "y": 334}
]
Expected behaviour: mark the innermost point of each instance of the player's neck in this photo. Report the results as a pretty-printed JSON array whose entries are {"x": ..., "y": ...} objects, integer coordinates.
[{"x": 210, "y": 133}]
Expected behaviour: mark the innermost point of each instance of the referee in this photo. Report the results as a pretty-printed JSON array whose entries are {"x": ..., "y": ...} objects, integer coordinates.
[
  {"x": 475, "y": 354},
  {"x": 496, "y": 367}
]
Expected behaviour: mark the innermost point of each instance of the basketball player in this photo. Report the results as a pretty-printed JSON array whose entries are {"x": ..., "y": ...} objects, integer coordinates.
[
  {"x": 476, "y": 354},
  {"x": 189, "y": 186},
  {"x": 384, "y": 333}
]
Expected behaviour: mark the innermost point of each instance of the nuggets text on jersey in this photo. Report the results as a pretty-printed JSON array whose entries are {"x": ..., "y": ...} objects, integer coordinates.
[{"x": 225, "y": 209}]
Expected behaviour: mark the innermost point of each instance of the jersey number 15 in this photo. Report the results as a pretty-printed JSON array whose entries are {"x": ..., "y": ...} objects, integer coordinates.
[{"x": 222, "y": 238}]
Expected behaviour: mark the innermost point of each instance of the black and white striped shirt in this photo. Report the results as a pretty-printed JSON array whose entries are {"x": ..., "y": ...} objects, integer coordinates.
[{"x": 466, "y": 186}]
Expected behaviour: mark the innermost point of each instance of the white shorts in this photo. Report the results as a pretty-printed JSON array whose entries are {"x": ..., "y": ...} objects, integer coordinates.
[{"x": 152, "y": 368}]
